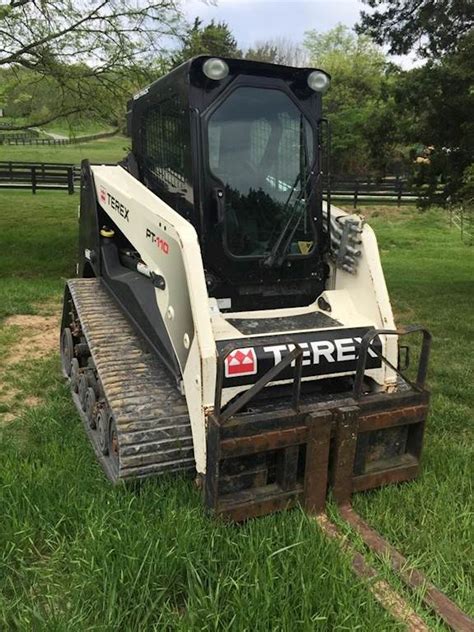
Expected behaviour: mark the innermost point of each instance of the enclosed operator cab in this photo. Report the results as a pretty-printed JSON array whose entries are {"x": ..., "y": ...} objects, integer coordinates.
[{"x": 234, "y": 147}]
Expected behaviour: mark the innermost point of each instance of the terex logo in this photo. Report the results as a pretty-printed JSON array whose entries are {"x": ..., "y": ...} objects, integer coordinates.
[
  {"x": 325, "y": 352},
  {"x": 115, "y": 204},
  {"x": 241, "y": 362},
  {"x": 339, "y": 350}
]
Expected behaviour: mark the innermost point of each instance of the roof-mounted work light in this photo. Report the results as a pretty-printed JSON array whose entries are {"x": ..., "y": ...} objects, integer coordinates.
[
  {"x": 215, "y": 68},
  {"x": 319, "y": 81}
]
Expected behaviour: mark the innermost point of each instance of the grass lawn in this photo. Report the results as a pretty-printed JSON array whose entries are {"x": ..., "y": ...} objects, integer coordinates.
[
  {"x": 107, "y": 150},
  {"x": 79, "y": 128},
  {"x": 61, "y": 126},
  {"x": 76, "y": 554}
]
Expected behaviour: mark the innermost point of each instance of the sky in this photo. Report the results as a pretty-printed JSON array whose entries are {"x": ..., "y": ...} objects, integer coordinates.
[{"x": 252, "y": 20}]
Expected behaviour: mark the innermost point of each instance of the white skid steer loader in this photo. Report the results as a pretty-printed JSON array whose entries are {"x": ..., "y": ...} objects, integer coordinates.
[{"x": 227, "y": 320}]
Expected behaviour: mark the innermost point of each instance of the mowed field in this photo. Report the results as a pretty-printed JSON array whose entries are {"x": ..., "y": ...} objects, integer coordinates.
[
  {"x": 77, "y": 554},
  {"x": 102, "y": 150}
]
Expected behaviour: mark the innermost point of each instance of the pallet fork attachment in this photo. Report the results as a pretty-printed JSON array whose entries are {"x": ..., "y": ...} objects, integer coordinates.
[{"x": 265, "y": 461}]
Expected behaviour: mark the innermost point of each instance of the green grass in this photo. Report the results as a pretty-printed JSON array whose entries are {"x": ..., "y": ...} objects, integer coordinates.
[
  {"x": 430, "y": 274},
  {"x": 78, "y": 554},
  {"x": 107, "y": 150},
  {"x": 38, "y": 237},
  {"x": 78, "y": 128}
]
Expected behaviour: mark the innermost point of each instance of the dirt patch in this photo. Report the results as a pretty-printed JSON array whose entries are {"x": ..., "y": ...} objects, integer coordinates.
[
  {"x": 403, "y": 315},
  {"x": 11, "y": 398},
  {"x": 38, "y": 337},
  {"x": 6, "y": 418}
]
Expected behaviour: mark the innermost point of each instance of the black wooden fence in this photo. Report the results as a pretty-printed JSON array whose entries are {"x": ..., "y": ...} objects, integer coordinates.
[
  {"x": 7, "y": 138},
  {"x": 25, "y": 140},
  {"x": 371, "y": 188},
  {"x": 60, "y": 176},
  {"x": 37, "y": 175}
]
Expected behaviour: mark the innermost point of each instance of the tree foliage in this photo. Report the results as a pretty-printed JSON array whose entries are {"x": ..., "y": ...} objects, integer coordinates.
[
  {"x": 431, "y": 27},
  {"x": 214, "y": 39},
  {"x": 435, "y": 105},
  {"x": 100, "y": 33},
  {"x": 359, "y": 103},
  {"x": 278, "y": 50},
  {"x": 82, "y": 49},
  {"x": 435, "y": 102}
]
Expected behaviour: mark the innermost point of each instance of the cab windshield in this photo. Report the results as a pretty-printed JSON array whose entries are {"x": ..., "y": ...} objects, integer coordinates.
[{"x": 261, "y": 150}]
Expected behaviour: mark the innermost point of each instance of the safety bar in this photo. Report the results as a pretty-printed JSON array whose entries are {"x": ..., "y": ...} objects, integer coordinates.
[
  {"x": 422, "y": 364},
  {"x": 296, "y": 355}
]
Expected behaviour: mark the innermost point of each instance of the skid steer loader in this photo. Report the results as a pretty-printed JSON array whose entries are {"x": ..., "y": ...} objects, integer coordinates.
[{"x": 228, "y": 321}]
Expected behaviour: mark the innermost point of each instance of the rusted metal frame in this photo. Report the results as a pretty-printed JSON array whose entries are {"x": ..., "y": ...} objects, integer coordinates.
[
  {"x": 264, "y": 442},
  {"x": 213, "y": 456},
  {"x": 344, "y": 482},
  {"x": 287, "y": 467},
  {"x": 344, "y": 452},
  {"x": 397, "y": 474},
  {"x": 295, "y": 355},
  {"x": 318, "y": 443},
  {"x": 391, "y": 418},
  {"x": 316, "y": 433},
  {"x": 422, "y": 363},
  {"x": 292, "y": 430},
  {"x": 451, "y": 614},
  {"x": 319, "y": 426},
  {"x": 258, "y": 502},
  {"x": 256, "y": 422},
  {"x": 412, "y": 417}
]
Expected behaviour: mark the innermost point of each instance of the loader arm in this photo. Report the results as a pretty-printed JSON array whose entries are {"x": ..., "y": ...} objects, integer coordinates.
[{"x": 169, "y": 247}]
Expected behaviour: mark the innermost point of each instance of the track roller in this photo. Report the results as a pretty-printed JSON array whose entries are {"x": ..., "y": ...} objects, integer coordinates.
[
  {"x": 90, "y": 409},
  {"x": 82, "y": 387},
  {"x": 74, "y": 374},
  {"x": 67, "y": 350},
  {"x": 103, "y": 429}
]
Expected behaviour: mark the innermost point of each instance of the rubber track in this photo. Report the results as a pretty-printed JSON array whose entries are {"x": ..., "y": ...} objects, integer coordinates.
[{"x": 153, "y": 428}]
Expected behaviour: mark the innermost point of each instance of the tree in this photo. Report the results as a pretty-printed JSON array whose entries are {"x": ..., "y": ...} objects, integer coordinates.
[
  {"x": 359, "y": 102},
  {"x": 83, "y": 48},
  {"x": 34, "y": 100},
  {"x": 432, "y": 27},
  {"x": 263, "y": 51},
  {"x": 278, "y": 50},
  {"x": 436, "y": 102},
  {"x": 214, "y": 39}
]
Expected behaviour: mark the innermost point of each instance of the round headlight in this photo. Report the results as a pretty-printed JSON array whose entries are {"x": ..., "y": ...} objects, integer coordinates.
[
  {"x": 318, "y": 81},
  {"x": 215, "y": 68}
]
